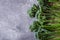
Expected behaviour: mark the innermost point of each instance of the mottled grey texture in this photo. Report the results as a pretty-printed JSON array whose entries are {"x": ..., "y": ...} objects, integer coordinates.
[{"x": 14, "y": 21}]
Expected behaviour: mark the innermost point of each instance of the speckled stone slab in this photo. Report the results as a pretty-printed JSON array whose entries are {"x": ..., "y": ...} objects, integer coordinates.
[{"x": 14, "y": 20}]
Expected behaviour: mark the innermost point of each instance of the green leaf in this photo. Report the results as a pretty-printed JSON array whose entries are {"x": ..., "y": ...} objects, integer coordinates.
[
  {"x": 35, "y": 26},
  {"x": 33, "y": 10}
]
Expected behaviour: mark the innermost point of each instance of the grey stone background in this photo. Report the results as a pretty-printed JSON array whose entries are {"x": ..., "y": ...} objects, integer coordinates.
[{"x": 14, "y": 20}]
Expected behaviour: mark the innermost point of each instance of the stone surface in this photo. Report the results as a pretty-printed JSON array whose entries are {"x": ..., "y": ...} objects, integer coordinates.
[{"x": 14, "y": 20}]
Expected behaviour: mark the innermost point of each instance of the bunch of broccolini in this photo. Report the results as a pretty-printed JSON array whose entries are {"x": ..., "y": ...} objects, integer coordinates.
[{"x": 47, "y": 25}]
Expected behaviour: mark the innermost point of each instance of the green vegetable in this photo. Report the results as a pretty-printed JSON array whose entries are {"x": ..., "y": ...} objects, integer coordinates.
[{"x": 47, "y": 25}]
